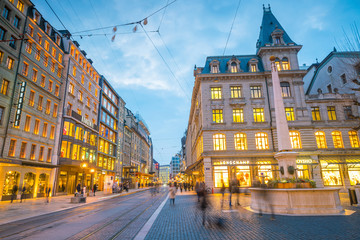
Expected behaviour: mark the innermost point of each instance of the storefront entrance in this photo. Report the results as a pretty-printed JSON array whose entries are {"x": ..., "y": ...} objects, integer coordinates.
[{"x": 12, "y": 178}]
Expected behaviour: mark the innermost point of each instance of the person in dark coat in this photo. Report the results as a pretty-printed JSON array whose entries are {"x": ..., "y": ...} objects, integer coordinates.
[
  {"x": 47, "y": 192},
  {"x": 14, "y": 192},
  {"x": 22, "y": 194},
  {"x": 78, "y": 188},
  {"x": 95, "y": 188}
]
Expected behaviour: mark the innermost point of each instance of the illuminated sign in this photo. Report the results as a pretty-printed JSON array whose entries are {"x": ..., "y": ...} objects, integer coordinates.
[
  {"x": 20, "y": 104},
  {"x": 87, "y": 121},
  {"x": 157, "y": 166},
  {"x": 235, "y": 162},
  {"x": 304, "y": 161}
]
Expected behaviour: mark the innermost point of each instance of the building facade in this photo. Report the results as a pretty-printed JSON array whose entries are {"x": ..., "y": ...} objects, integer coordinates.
[
  {"x": 80, "y": 112},
  {"x": 31, "y": 131},
  {"x": 164, "y": 174},
  {"x": 232, "y": 133},
  {"x": 108, "y": 133},
  {"x": 175, "y": 166}
]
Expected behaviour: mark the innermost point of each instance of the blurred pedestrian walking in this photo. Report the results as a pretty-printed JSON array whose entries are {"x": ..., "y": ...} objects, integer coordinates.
[
  {"x": 265, "y": 202},
  {"x": 94, "y": 188},
  {"x": 222, "y": 191},
  {"x": 48, "y": 192},
  {"x": 23, "y": 196},
  {"x": 172, "y": 194},
  {"x": 14, "y": 192}
]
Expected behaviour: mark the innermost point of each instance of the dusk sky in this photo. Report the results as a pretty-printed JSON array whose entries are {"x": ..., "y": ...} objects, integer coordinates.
[{"x": 158, "y": 87}]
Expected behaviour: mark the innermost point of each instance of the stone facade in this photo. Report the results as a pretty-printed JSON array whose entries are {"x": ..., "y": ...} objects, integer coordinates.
[{"x": 232, "y": 125}]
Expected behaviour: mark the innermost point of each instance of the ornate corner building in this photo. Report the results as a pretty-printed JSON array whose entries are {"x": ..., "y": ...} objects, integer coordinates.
[{"x": 231, "y": 131}]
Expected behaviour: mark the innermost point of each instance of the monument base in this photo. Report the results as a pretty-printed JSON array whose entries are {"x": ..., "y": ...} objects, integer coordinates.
[{"x": 306, "y": 201}]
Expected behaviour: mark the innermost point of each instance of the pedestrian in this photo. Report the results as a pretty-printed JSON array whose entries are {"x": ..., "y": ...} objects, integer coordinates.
[
  {"x": 47, "y": 192},
  {"x": 114, "y": 188},
  {"x": 181, "y": 187},
  {"x": 197, "y": 189},
  {"x": 204, "y": 205},
  {"x": 222, "y": 191},
  {"x": 78, "y": 189},
  {"x": 14, "y": 192},
  {"x": 94, "y": 188},
  {"x": 235, "y": 190},
  {"x": 138, "y": 185},
  {"x": 22, "y": 196},
  {"x": 172, "y": 194}
]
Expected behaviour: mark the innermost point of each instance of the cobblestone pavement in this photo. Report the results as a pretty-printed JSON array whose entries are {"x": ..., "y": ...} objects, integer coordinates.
[{"x": 183, "y": 221}]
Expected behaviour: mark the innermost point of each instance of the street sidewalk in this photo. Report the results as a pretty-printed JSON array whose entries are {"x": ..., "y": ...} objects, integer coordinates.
[{"x": 11, "y": 212}]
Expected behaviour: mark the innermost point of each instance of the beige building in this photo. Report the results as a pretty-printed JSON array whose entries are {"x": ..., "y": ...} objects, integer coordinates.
[
  {"x": 31, "y": 130},
  {"x": 79, "y": 131},
  {"x": 232, "y": 133}
]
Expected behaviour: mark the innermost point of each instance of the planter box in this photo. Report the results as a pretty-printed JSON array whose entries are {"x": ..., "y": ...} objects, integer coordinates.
[
  {"x": 305, "y": 185},
  {"x": 286, "y": 185}
]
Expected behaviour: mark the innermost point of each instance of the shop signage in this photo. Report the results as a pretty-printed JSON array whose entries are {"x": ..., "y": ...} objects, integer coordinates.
[
  {"x": 2, "y": 160},
  {"x": 20, "y": 104},
  {"x": 304, "y": 161},
  {"x": 87, "y": 121},
  {"x": 235, "y": 162}
]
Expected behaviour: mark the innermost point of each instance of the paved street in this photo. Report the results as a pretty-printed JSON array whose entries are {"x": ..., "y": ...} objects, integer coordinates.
[{"x": 122, "y": 217}]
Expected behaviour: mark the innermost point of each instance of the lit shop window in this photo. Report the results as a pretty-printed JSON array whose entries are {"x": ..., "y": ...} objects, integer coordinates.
[
  {"x": 331, "y": 174},
  {"x": 243, "y": 175},
  {"x": 354, "y": 173},
  {"x": 216, "y": 93},
  {"x": 285, "y": 63},
  {"x": 217, "y": 115},
  {"x": 265, "y": 172},
  {"x": 240, "y": 141},
  {"x": 320, "y": 139},
  {"x": 219, "y": 142},
  {"x": 295, "y": 139},
  {"x": 337, "y": 139},
  {"x": 354, "y": 139},
  {"x": 221, "y": 175},
  {"x": 261, "y": 141}
]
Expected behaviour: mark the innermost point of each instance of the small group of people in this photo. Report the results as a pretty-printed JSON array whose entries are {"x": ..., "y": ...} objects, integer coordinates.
[
  {"x": 23, "y": 194},
  {"x": 234, "y": 189}
]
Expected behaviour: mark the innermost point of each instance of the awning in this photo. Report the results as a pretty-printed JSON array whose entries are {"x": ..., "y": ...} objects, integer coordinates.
[{"x": 193, "y": 167}]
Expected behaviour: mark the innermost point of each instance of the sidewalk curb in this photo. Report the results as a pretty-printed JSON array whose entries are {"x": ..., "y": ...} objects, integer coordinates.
[{"x": 75, "y": 205}]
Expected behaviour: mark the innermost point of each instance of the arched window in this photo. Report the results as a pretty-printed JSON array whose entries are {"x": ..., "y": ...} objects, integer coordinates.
[
  {"x": 240, "y": 141},
  {"x": 285, "y": 89},
  {"x": 285, "y": 63},
  {"x": 233, "y": 67},
  {"x": 354, "y": 139},
  {"x": 337, "y": 139},
  {"x": 295, "y": 139},
  {"x": 11, "y": 178},
  {"x": 277, "y": 64},
  {"x": 214, "y": 66},
  {"x": 320, "y": 139},
  {"x": 42, "y": 184},
  {"x": 29, "y": 183},
  {"x": 261, "y": 141},
  {"x": 219, "y": 142}
]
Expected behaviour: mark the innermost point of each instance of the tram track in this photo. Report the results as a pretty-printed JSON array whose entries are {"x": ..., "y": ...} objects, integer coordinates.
[
  {"x": 108, "y": 224},
  {"x": 38, "y": 221}
]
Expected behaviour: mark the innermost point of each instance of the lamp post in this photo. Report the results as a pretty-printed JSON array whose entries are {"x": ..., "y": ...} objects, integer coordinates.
[{"x": 83, "y": 166}]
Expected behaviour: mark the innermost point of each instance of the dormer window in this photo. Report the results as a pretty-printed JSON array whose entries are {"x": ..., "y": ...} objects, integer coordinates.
[
  {"x": 36, "y": 17},
  {"x": 215, "y": 66},
  {"x": 253, "y": 65},
  {"x": 285, "y": 64},
  {"x": 47, "y": 29},
  {"x": 277, "y": 36},
  {"x": 58, "y": 40},
  {"x": 233, "y": 67}
]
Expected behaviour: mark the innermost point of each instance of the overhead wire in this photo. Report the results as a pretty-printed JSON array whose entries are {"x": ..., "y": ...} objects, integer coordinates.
[
  {"x": 232, "y": 25},
  {"x": 125, "y": 24},
  {"x": 55, "y": 14}
]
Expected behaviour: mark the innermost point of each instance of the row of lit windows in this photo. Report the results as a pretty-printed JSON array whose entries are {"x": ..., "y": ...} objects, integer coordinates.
[
  {"x": 261, "y": 140},
  {"x": 81, "y": 97},
  {"x": 283, "y": 64},
  {"x": 107, "y": 133},
  {"x": 10, "y": 62},
  {"x": 331, "y": 112},
  {"x": 258, "y": 114},
  {"x": 109, "y": 120},
  {"x": 110, "y": 94},
  {"x": 36, "y": 127},
  {"x": 106, "y": 147},
  {"x": 255, "y": 91},
  {"x": 74, "y": 71},
  {"x": 39, "y": 104},
  {"x": 233, "y": 67},
  {"x": 72, "y": 130},
  {"x": 6, "y": 13},
  {"x": 33, "y": 150},
  {"x": 34, "y": 73},
  {"x": 77, "y": 152},
  {"x": 106, "y": 162},
  {"x": 82, "y": 62},
  {"x": 109, "y": 106}
]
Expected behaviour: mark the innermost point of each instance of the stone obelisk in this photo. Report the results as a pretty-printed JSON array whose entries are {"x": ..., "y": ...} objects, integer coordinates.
[{"x": 285, "y": 156}]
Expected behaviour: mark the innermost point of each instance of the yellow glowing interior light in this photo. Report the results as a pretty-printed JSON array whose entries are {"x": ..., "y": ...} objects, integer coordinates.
[{"x": 84, "y": 165}]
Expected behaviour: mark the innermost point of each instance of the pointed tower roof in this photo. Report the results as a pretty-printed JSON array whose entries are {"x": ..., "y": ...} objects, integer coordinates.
[{"x": 269, "y": 24}]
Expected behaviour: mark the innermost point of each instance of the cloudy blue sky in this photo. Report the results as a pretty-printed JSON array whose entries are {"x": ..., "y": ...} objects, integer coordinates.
[{"x": 160, "y": 87}]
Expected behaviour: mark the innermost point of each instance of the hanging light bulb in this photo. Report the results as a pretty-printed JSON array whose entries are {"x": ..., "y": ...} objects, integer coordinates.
[
  {"x": 145, "y": 21},
  {"x": 135, "y": 28},
  {"x": 115, "y": 29},
  {"x": 113, "y": 38}
]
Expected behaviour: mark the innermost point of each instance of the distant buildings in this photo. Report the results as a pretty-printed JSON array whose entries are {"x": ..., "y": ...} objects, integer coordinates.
[
  {"x": 61, "y": 122},
  {"x": 164, "y": 174},
  {"x": 174, "y": 166}
]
